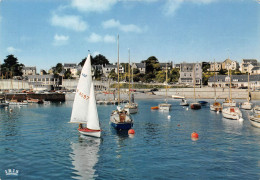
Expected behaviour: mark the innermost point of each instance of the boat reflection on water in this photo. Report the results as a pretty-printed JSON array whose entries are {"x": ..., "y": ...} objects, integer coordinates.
[
  {"x": 232, "y": 126},
  {"x": 85, "y": 156}
]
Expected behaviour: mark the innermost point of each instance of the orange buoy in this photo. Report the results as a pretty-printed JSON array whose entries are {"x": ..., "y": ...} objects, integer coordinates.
[
  {"x": 131, "y": 131},
  {"x": 194, "y": 135}
]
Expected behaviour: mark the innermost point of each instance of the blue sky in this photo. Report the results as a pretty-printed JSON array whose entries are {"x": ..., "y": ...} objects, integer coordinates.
[{"x": 44, "y": 32}]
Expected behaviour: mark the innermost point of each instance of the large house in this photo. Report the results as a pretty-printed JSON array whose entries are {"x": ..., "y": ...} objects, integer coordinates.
[
  {"x": 190, "y": 72},
  {"x": 247, "y": 65},
  {"x": 74, "y": 69},
  {"x": 140, "y": 66},
  {"x": 29, "y": 71},
  {"x": 109, "y": 67},
  {"x": 236, "y": 81},
  {"x": 164, "y": 65},
  {"x": 215, "y": 66},
  {"x": 43, "y": 82},
  {"x": 230, "y": 65},
  {"x": 255, "y": 70}
]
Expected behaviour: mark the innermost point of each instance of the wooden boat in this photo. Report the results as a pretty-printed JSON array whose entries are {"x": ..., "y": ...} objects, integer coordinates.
[
  {"x": 216, "y": 106},
  {"x": 130, "y": 107},
  {"x": 120, "y": 119},
  {"x": 255, "y": 120},
  {"x": 247, "y": 105},
  {"x": 155, "y": 108},
  {"x": 165, "y": 106},
  {"x": 84, "y": 109}
]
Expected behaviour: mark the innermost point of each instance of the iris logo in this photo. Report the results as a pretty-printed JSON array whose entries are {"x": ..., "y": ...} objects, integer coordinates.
[
  {"x": 11, "y": 172},
  {"x": 84, "y": 75}
]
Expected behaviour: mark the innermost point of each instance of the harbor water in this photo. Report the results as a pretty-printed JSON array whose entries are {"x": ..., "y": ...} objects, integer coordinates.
[{"x": 37, "y": 142}]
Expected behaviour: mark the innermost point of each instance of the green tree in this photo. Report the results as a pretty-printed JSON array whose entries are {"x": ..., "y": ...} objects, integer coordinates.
[
  {"x": 161, "y": 76},
  {"x": 97, "y": 60},
  {"x": 57, "y": 69},
  {"x": 67, "y": 74},
  {"x": 174, "y": 75},
  {"x": 11, "y": 67},
  {"x": 113, "y": 75},
  {"x": 151, "y": 64},
  {"x": 223, "y": 72},
  {"x": 205, "y": 66}
]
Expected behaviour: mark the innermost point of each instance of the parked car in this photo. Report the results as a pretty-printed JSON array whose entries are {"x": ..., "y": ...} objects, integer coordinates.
[{"x": 154, "y": 89}]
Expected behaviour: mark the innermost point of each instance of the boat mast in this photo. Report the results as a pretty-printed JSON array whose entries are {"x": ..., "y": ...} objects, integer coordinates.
[
  {"x": 230, "y": 85},
  {"x": 194, "y": 82},
  {"x": 248, "y": 89},
  {"x": 166, "y": 82},
  {"x": 118, "y": 69},
  {"x": 129, "y": 92},
  {"x": 215, "y": 82}
]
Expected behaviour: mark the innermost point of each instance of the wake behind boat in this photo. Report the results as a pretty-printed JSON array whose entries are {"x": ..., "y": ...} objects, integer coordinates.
[{"x": 84, "y": 109}]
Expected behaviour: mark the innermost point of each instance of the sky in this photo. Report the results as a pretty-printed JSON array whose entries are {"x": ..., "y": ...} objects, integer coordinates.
[{"x": 43, "y": 33}]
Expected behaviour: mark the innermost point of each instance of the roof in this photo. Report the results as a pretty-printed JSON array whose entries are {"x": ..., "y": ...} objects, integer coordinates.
[
  {"x": 238, "y": 78},
  {"x": 250, "y": 61},
  {"x": 70, "y": 64},
  {"x": 110, "y": 66},
  {"x": 140, "y": 65},
  {"x": 29, "y": 68},
  {"x": 256, "y": 68},
  {"x": 164, "y": 64}
]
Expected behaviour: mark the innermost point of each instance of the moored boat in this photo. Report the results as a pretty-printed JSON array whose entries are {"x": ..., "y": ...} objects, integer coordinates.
[
  {"x": 203, "y": 103},
  {"x": 31, "y": 100},
  {"x": 195, "y": 106},
  {"x": 255, "y": 120},
  {"x": 154, "y": 108},
  {"x": 216, "y": 106},
  {"x": 184, "y": 102},
  {"x": 3, "y": 103},
  {"x": 120, "y": 119},
  {"x": 233, "y": 113},
  {"x": 247, "y": 105},
  {"x": 178, "y": 97},
  {"x": 257, "y": 109}
]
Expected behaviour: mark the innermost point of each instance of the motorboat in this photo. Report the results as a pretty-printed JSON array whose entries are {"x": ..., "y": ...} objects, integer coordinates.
[{"x": 233, "y": 113}]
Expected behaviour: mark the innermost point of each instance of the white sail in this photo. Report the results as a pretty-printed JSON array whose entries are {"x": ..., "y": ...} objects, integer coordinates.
[
  {"x": 82, "y": 110},
  {"x": 93, "y": 120}
]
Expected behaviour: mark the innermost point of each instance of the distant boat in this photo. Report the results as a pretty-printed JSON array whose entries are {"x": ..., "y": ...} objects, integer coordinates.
[
  {"x": 255, "y": 120},
  {"x": 84, "y": 109},
  {"x": 216, "y": 106},
  {"x": 184, "y": 102},
  {"x": 131, "y": 107},
  {"x": 165, "y": 106},
  {"x": 247, "y": 105},
  {"x": 120, "y": 119},
  {"x": 3, "y": 103},
  {"x": 178, "y": 97},
  {"x": 195, "y": 105},
  {"x": 203, "y": 103}
]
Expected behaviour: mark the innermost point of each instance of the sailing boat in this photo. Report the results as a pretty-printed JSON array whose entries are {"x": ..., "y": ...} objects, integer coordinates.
[
  {"x": 216, "y": 106},
  {"x": 247, "y": 105},
  {"x": 231, "y": 112},
  {"x": 84, "y": 109},
  {"x": 228, "y": 101},
  {"x": 120, "y": 119},
  {"x": 194, "y": 105},
  {"x": 130, "y": 107},
  {"x": 165, "y": 106}
]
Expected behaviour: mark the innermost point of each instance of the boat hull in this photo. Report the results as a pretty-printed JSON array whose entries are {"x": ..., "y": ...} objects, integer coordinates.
[
  {"x": 203, "y": 103},
  {"x": 216, "y": 108},
  {"x": 131, "y": 110},
  {"x": 232, "y": 113},
  {"x": 246, "y": 106},
  {"x": 195, "y": 106},
  {"x": 88, "y": 132},
  {"x": 164, "y": 107},
  {"x": 255, "y": 121},
  {"x": 122, "y": 126}
]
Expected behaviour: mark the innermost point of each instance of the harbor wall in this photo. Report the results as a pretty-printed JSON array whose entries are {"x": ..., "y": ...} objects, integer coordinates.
[{"x": 24, "y": 96}]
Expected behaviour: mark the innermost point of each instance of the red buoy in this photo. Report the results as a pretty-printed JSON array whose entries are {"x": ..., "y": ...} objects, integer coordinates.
[
  {"x": 131, "y": 131},
  {"x": 194, "y": 135}
]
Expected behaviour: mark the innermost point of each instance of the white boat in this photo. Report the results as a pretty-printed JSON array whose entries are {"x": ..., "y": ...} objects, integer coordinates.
[
  {"x": 232, "y": 113},
  {"x": 194, "y": 105},
  {"x": 255, "y": 120},
  {"x": 229, "y": 102},
  {"x": 184, "y": 102},
  {"x": 178, "y": 97},
  {"x": 257, "y": 109},
  {"x": 120, "y": 119},
  {"x": 247, "y": 105},
  {"x": 130, "y": 107},
  {"x": 84, "y": 111},
  {"x": 3, "y": 103},
  {"x": 20, "y": 103},
  {"x": 165, "y": 106}
]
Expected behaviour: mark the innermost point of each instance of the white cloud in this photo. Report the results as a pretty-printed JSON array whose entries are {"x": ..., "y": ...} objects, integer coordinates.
[
  {"x": 60, "y": 40},
  {"x": 12, "y": 50},
  {"x": 70, "y": 22},
  {"x": 109, "y": 39},
  {"x": 171, "y": 6},
  {"x": 123, "y": 27},
  {"x": 95, "y": 38},
  {"x": 93, "y": 5}
]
